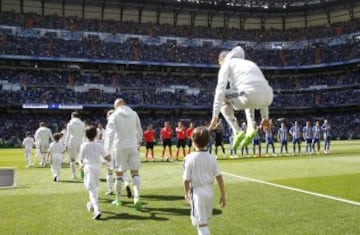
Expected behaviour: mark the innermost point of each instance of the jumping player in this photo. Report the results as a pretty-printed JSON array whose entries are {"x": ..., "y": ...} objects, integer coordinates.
[{"x": 249, "y": 90}]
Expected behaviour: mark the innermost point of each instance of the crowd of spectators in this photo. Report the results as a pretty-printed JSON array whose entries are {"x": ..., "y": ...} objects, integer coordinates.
[
  {"x": 136, "y": 50},
  {"x": 138, "y": 87},
  {"x": 75, "y": 23},
  {"x": 146, "y": 89}
]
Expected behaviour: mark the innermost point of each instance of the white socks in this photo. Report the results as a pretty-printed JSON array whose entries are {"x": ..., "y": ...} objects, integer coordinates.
[
  {"x": 203, "y": 230},
  {"x": 118, "y": 182},
  {"x": 109, "y": 182},
  {"x": 136, "y": 181},
  {"x": 72, "y": 167}
]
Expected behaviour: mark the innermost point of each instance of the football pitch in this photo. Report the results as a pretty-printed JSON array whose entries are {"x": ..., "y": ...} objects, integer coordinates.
[{"x": 317, "y": 194}]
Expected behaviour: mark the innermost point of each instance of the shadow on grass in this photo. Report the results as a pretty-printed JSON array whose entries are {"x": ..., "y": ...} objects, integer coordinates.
[
  {"x": 163, "y": 197},
  {"x": 71, "y": 181},
  {"x": 125, "y": 216},
  {"x": 151, "y": 213}
]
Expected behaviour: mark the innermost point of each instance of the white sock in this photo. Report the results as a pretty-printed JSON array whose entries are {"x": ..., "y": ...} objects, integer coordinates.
[
  {"x": 204, "y": 230},
  {"x": 109, "y": 182},
  {"x": 118, "y": 182},
  {"x": 126, "y": 179},
  {"x": 136, "y": 181},
  {"x": 228, "y": 112},
  {"x": 250, "y": 113},
  {"x": 72, "y": 167}
]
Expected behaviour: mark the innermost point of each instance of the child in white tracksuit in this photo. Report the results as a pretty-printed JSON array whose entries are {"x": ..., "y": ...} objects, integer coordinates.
[
  {"x": 28, "y": 144},
  {"x": 90, "y": 157},
  {"x": 55, "y": 156},
  {"x": 200, "y": 169}
]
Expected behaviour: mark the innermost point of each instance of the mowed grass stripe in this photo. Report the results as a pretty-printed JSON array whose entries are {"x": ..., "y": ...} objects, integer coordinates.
[{"x": 294, "y": 189}]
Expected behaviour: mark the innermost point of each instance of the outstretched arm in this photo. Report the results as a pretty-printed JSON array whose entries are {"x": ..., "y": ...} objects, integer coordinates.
[{"x": 220, "y": 181}]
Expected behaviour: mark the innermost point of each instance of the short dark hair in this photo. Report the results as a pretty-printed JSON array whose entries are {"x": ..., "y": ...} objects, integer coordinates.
[
  {"x": 58, "y": 136},
  {"x": 201, "y": 136},
  {"x": 90, "y": 132},
  {"x": 75, "y": 114}
]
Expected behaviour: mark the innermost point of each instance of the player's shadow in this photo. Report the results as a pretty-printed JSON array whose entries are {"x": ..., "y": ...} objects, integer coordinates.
[
  {"x": 71, "y": 181},
  {"x": 163, "y": 197},
  {"x": 152, "y": 213},
  {"x": 109, "y": 215}
]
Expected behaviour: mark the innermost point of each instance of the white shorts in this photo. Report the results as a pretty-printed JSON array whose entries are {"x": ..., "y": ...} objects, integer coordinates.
[
  {"x": 111, "y": 164},
  {"x": 73, "y": 150},
  {"x": 202, "y": 199},
  {"x": 252, "y": 98},
  {"x": 43, "y": 148},
  {"x": 92, "y": 176},
  {"x": 126, "y": 159}
]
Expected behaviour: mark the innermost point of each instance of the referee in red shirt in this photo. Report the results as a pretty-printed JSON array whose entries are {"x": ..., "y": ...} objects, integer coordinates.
[
  {"x": 149, "y": 137},
  {"x": 165, "y": 135},
  {"x": 181, "y": 139}
]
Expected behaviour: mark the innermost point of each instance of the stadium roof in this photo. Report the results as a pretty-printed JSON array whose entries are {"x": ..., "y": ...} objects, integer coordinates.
[{"x": 252, "y": 6}]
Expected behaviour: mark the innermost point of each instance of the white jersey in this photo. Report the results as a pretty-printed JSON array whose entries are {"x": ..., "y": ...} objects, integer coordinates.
[
  {"x": 200, "y": 168},
  {"x": 43, "y": 136},
  {"x": 28, "y": 142},
  {"x": 63, "y": 138},
  {"x": 91, "y": 153},
  {"x": 100, "y": 134},
  {"x": 123, "y": 130},
  {"x": 56, "y": 149},
  {"x": 75, "y": 132},
  {"x": 244, "y": 76}
]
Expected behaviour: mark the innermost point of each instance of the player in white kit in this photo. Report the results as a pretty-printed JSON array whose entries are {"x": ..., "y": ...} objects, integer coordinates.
[
  {"x": 111, "y": 168},
  {"x": 200, "y": 169},
  {"x": 124, "y": 136},
  {"x": 249, "y": 90},
  {"x": 43, "y": 136},
  {"x": 90, "y": 157},
  {"x": 28, "y": 144},
  {"x": 75, "y": 134}
]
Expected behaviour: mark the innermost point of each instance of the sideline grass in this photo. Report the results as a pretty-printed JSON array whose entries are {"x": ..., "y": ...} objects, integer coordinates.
[{"x": 40, "y": 206}]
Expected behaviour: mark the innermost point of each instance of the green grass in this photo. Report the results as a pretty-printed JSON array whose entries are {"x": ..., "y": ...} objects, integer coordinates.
[{"x": 39, "y": 206}]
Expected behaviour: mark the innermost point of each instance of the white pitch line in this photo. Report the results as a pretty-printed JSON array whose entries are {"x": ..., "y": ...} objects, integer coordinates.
[{"x": 294, "y": 189}]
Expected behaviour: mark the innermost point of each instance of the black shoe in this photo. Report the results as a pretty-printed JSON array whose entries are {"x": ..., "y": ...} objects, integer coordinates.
[
  {"x": 55, "y": 179},
  {"x": 128, "y": 191}
]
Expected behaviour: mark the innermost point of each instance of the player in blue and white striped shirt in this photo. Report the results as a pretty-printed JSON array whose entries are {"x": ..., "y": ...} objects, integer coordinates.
[
  {"x": 257, "y": 141},
  {"x": 283, "y": 138},
  {"x": 316, "y": 136},
  {"x": 295, "y": 132},
  {"x": 307, "y": 134},
  {"x": 325, "y": 127},
  {"x": 269, "y": 140}
]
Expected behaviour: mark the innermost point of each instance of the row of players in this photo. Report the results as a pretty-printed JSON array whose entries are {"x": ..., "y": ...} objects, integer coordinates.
[{"x": 310, "y": 134}]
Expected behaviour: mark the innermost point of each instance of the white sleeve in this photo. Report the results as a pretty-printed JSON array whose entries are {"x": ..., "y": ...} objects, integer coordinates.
[
  {"x": 187, "y": 169},
  {"x": 139, "y": 133},
  {"x": 67, "y": 137},
  {"x": 220, "y": 89},
  {"x": 81, "y": 153},
  {"x": 110, "y": 132}
]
